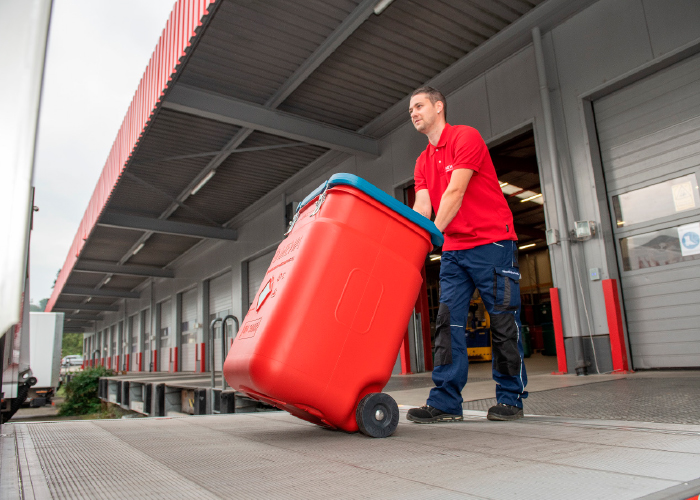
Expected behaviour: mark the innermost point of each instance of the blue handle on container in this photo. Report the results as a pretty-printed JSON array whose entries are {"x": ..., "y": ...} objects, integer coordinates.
[{"x": 369, "y": 189}]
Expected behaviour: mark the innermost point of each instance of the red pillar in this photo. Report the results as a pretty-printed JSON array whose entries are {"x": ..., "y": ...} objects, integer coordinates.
[
  {"x": 558, "y": 332},
  {"x": 128, "y": 363},
  {"x": 405, "y": 355},
  {"x": 140, "y": 362},
  {"x": 155, "y": 360},
  {"x": 618, "y": 349}
]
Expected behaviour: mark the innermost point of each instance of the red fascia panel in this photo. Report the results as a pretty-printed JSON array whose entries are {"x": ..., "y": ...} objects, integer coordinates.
[{"x": 184, "y": 18}]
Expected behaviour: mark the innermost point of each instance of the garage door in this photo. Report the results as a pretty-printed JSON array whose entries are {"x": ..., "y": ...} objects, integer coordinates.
[
  {"x": 220, "y": 305},
  {"x": 256, "y": 273},
  {"x": 147, "y": 341},
  {"x": 189, "y": 318},
  {"x": 113, "y": 347},
  {"x": 134, "y": 342},
  {"x": 164, "y": 336},
  {"x": 649, "y": 135}
]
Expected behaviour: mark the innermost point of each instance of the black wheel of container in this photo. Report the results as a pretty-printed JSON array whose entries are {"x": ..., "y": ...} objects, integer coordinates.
[{"x": 377, "y": 415}]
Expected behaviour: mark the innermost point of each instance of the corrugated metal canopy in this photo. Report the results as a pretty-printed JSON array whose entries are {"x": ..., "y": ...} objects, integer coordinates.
[{"x": 327, "y": 67}]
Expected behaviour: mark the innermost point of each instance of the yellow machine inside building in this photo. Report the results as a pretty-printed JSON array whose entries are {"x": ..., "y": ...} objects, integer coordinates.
[{"x": 478, "y": 331}]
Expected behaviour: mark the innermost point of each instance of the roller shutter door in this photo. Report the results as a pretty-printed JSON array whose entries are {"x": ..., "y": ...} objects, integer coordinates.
[
  {"x": 113, "y": 347},
  {"x": 147, "y": 342},
  {"x": 164, "y": 335},
  {"x": 189, "y": 318},
  {"x": 649, "y": 135},
  {"x": 256, "y": 273},
  {"x": 134, "y": 342},
  {"x": 220, "y": 305}
]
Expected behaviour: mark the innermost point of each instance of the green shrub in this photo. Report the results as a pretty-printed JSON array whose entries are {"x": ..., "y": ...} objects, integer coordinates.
[{"x": 81, "y": 392}]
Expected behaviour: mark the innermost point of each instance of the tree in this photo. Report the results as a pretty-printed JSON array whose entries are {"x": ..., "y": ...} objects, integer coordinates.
[
  {"x": 72, "y": 344},
  {"x": 38, "y": 308}
]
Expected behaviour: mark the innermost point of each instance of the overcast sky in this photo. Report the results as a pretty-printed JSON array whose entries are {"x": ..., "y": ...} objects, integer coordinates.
[{"x": 96, "y": 56}]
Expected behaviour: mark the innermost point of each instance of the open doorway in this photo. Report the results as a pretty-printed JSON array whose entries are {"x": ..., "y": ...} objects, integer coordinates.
[
  {"x": 516, "y": 166},
  {"x": 515, "y": 161}
]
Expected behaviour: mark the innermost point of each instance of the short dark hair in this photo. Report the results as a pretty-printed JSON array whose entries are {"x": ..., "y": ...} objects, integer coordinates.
[{"x": 434, "y": 95}]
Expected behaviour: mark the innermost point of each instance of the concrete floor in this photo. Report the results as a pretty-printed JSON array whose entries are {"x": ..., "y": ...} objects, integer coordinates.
[{"x": 274, "y": 455}]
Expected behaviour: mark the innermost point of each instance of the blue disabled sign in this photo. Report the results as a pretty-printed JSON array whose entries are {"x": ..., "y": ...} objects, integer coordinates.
[{"x": 689, "y": 237}]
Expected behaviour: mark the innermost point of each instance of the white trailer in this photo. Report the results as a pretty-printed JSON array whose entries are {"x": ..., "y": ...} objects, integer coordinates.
[{"x": 45, "y": 340}]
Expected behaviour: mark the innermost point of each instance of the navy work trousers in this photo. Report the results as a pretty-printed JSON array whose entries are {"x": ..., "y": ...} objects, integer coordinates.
[{"x": 493, "y": 270}]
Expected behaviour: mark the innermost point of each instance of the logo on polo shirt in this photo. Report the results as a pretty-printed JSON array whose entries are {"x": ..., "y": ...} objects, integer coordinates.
[{"x": 448, "y": 168}]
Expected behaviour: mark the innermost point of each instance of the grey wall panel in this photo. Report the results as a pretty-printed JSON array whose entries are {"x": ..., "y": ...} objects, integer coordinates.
[
  {"x": 470, "y": 106},
  {"x": 602, "y": 42},
  {"x": 671, "y": 24},
  {"x": 406, "y": 145},
  {"x": 378, "y": 171},
  {"x": 513, "y": 91}
]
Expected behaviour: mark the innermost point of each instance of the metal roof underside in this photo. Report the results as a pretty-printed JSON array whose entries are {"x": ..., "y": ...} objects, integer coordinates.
[{"x": 267, "y": 89}]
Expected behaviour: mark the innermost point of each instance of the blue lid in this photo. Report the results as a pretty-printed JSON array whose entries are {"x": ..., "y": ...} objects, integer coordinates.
[{"x": 352, "y": 180}]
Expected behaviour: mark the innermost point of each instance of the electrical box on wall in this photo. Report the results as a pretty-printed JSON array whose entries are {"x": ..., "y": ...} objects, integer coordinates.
[{"x": 584, "y": 229}]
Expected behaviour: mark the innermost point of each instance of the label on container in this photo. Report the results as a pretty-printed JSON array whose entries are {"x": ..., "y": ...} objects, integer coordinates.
[{"x": 249, "y": 328}]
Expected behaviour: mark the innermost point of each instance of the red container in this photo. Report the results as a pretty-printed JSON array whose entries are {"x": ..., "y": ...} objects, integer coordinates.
[{"x": 325, "y": 328}]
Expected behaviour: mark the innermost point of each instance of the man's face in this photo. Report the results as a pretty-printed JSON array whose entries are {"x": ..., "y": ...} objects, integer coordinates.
[{"x": 424, "y": 114}]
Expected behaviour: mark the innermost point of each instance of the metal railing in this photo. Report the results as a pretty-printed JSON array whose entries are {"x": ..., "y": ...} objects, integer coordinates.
[{"x": 224, "y": 348}]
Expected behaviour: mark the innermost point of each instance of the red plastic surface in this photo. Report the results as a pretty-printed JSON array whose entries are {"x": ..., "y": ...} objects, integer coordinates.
[{"x": 344, "y": 283}]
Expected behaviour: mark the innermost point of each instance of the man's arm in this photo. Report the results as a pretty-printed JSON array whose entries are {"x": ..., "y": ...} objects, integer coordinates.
[
  {"x": 422, "y": 204},
  {"x": 451, "y": 199}
]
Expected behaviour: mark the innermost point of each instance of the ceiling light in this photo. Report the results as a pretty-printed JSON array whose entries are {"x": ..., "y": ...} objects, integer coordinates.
[
  {"x": 527, "y": 246},
  {"x": 503, "y": 184},
  {"x": 203, "y": 181},
  {"x": 510, "y": 189},
  {"x": 435, "y": 257},
  {"x": 138, "y": 248},
  {"x": 88, "y": 299},
  {"x": 109, "y": 278},
  {"x": 381, "y": 6},
  {"x": 77, "y": 311},
  {"x": 531, "y": 198}
]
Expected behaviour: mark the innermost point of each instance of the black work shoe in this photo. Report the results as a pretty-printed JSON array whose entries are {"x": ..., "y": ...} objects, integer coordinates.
[
  {"x": 504, "y": 412},
  {"x": 429, "y": 415}
]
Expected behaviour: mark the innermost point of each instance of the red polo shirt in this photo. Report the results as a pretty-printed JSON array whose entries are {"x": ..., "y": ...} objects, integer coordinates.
[{"x": 484, "y": 216}]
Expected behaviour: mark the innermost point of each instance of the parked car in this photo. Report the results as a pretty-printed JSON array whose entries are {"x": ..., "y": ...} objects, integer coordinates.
[{"x": 72, "y": 360}]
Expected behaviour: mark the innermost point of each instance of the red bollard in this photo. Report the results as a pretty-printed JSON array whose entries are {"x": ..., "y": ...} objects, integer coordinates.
[
  {"x": 558, "y": 332},
  {"x": 618, "y": 350}
]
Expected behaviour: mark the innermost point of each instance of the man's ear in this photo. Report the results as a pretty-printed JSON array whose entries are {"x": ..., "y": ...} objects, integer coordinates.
[{"x": 439, "y": 106}]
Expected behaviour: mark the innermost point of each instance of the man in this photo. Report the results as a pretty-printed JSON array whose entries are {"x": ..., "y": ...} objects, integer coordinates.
[{"x": 455, "y": 177}]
